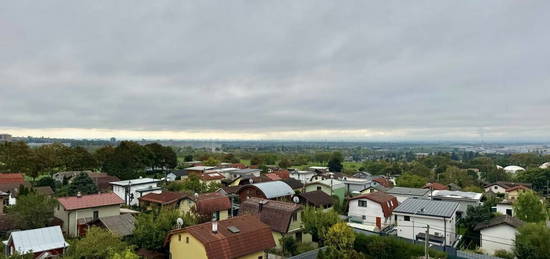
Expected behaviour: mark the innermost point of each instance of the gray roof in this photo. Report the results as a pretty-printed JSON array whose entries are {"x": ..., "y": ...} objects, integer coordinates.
[
  {"x": 274, "y": 189},
  {"x": 427, "y": 207},
  {"x": 38, "y": 240},
  {"x": 245, "y": 171},
  {"x": 120, "y": 225},
  {"x": 407, "y": 191}
]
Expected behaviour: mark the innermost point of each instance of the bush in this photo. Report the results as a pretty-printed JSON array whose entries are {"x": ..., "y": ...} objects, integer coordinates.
[
  {"x": 504, "y": 254},
  {"x": 391, "y": 248}
]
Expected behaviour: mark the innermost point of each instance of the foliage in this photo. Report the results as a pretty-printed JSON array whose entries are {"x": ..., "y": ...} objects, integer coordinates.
[
  {"x": 475, "y": 215},
  {"x": 194, "y": 185},
  {"x": 317, "y": 222},
  {"x": 458, "y": 176},
  {"x": 152, "y": 228},
  {"x": 537, "y": 177},
  {"x": 82, "y": 183},
  {"x": 289, "y": 246},
  {"x": 285, "y": 163},
  {"x": 80, "y": 159},
  {"x": 473, "y": 188},
  {"x": 504, "y": 254},
  {"x": 335, "y": 162},
  {"x": 411, "y": 180},
  {"x": 127, "y": 161},
  {"x": 532, "y": 241},
  {"x": 126, "y": 254},
  {"x": 529, "y": 208},
  {"x": 211, "y": 162},
  {"x": 15, "y": 157},
  {"x": 98, "y": 243},
  {"x": 46, "y": 181},
  {"x": 340, "y": 236},
  {"x": 32, "y": 211},
  {"x": 161, "y": 157},
  {"x": 381, "y": 247}
]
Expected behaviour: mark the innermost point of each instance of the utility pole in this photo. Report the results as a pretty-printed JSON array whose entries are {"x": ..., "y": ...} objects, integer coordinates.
[{"x": 426, "y": 239}]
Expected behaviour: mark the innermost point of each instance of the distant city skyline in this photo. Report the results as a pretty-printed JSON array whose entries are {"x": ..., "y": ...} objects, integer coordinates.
[{"x": 276, "y": 70}]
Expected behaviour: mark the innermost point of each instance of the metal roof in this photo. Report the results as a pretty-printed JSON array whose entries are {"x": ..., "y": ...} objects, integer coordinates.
[
  {"x": 136, "y": 181},
  {"x": 407, "y": 191},
  {"x": 120, "y": 225},
  {"x": 38, "y": 240},
  {"x": 427, "y": 207},
  {"x": 457, "y": 195},
  {"x": 274, "y": 189}
]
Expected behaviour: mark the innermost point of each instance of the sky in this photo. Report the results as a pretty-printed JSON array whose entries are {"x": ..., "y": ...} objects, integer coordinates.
[{"x": 303, "y": 70}]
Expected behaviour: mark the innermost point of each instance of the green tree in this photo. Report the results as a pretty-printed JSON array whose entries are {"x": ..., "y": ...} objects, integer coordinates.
[
  {"x": 285, "y": 163},
  {"x": 151, "y": 228},
  {"x": 98, "y": 243},
  {"x": 340, "y": 236},
  {"x": 538, "y": 177},
  {"x": 475, "y": 215},
  {"x": 317, "y": 222},
  {"x": 46, "y": 181},
  {"x": 79, "y": 159},
  {"x": 126, "y": 254},
  {"x": 211, "y": 162},
  {"x": 82, "y": 183},
  {"x": 335, "y": 162},
  {"x": 410, "y": 180},
  {"x": 161, "y": 157},
  {"x": 458, "y": 176},
  {"x": 102, "y": 155},
  {"x": 128, "y": 161},
  {"x": 15, "y": 157},
  {"x": 532, "y": 241},
  {"x": 32, "y": 211},
  {"x": 289, "y": 245},
  {"x": 529, "y": 208}
]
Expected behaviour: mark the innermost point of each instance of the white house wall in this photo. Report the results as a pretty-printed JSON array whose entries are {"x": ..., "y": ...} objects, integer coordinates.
[
  {"x": 418, "y": 224},
  {"x": 499, "y": 237},
  {"x": 371, "y": 212},
  {"x": 121, "y": 192}
]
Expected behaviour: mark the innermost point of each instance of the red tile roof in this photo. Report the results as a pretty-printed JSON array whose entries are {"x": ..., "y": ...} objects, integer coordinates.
[
  {"x": 12, "y": 178},
  {"x": 211, "y": 176},
  {"x": 517, "y": 187},
  {"x": 273, "y": 177},
  {"x": 383, "y": 181},
  {"x": 277, "y": 214},
  {"x": 163, "y": 198},
  {"x": 435, "y": 186},
  {"x": 284, "y": 174},
  {"x": 208, "y": 203},
  {"x": 90, "y": 201},
  {"x": 382, "y": 199},
  {"x": 253, "y": 236},
  {"x": 317, "y": 198},
  {"x": 238, "y": 165}
]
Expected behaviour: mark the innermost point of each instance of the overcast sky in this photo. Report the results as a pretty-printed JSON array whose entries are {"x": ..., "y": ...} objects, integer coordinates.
[{"x": 361, "y": 70}]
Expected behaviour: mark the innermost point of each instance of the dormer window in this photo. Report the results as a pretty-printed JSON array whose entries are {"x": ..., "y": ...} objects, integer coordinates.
[{"x": 362, "y": 203}]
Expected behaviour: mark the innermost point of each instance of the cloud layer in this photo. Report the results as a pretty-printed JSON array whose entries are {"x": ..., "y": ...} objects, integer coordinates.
[{"x": 276, "y": 69}]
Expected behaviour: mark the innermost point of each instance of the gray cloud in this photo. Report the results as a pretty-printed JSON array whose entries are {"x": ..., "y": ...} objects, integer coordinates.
[{"x": 442, "y": 69}]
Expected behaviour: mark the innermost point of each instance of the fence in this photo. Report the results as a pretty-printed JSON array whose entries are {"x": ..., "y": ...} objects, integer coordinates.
[{"x": 469, "y": 255}]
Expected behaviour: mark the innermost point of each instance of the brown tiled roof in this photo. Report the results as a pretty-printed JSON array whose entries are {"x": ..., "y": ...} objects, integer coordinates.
[
  {"x": 435, "y": 186},
  {"x": 293, "y": 183},
  {"x": 317, "y": 198},
  {"x": 253, "y": 236},
  {"x": 284, "y": 174},
  {"x": 501, "y": 219},
  {"x": 231, "y": 189},
  {"x": 13, "y": 187},
  {"x": 102, "y": 181},
  {"x": 211, "y": 176},
  {"x": 382, "y": 199},
  {"x": 12, "y": 178},
  {"x": 507, "y": 185},
  {"x": 517, "y": 187},
  {"x": 273, "y": 177},
  {"x": 277, "y": 214},
  {"x": 163, "y": 198},
  {"x": 238, "y": 165},
  {"x": 208, "y": 203},
  {"x": 90, "y": 201},
  {"x": 383, "y": 181}
]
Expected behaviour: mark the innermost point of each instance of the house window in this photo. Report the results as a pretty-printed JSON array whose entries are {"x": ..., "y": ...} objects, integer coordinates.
[
  {"x": 496, "y": 187},
  {"x": 318, "y": 188},
  {"x": 187, "y": 240},
  {"x": 179, "y": 237},
  {"x": 260, "y": 257},
  {"x": 96, "y": 214},
  {"x": 299, "y": 237},
  {"x": 407, "y": 218},
  {"x": 362, "y": 203},
  {"x": 509, "y": 212},
  {"x": 364, "y": 217}
]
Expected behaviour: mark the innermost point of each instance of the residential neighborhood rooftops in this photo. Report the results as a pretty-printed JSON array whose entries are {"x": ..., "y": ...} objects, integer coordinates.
[
  {"x": 427, "y": 207},
  {"x": 501, "y": 219},
  {"x": 407, "y": 191},
  {"x": 517, "y": 187},
  {"x": 329, "y": 182},
  {"x": 317, "y": 198},
  {"x": 136, "y": 181},
  {"x": 252, "y": 236},
  {"x": 507, "y": 185},
  {"x": 293, "y": 183},
  {"x": 38, "y": 240},
  {"x": 120, "y": 225},
  {"x": 273, "y": 177},
  {"x": 11, "y": 178},
  {"x": 90, "y": 201},
  {"x": 435, "y": 186},
  {"x": 199, "y": 168},
  {"x": 211, "y": 176},
  {"x": 274, "y": 189},
  {"x": 245, "y": 171},
  {"x": 208, "y": 203},
  {"x": 386, "y": 201},
  {"x": 277, "y": 214},
  {"x": 166, "y": 197}
]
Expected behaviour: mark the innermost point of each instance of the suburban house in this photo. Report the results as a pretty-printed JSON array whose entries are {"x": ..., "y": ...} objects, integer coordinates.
[
  {"x": 302, "y": 176},
  {"x": 435, "y": 186},
  {"x": 499, "y": 233},
  {"x": 42, "y": 242},
  {"x": 403, "y": 193},
  {"x": 356, "y": 185},
  {"x": 501, "y": 187},
  {"x": 165, "y": 199},
  {"x": 214, "y": 205},
  {"x": 374, "y": 188},
  {"x": 103, "y": 181},
  {"x": 413, "y": 216},
  {"x": 130, "y": 190},
  {"x": 122, "y": 225},
  {"x": 328, "y": 186},
  {"x": 284, "y": 218},
  {"x": 243, "y": 237},
  {"x": 211, "y": 177},
  {"x": 11, "y": 183},
  {"x": 513, "y": 193},
  {"x": 274, "y": 190},
  {"x": 505, "y": 208},
  {"x": 373, "y": 209},
  {"x": 465, "y": 199},
  {"x": 317, "y": 199},
  {"x": 296, "y": 185},
  {"x": 76, "y": 211},
  {"x": 180, "y": 174},
  {"x": 198, "y": 170},
  {"x": 383, "y": 181},
  {"x": 322, "y": 169},
  {"x": 244, "y": 172}
]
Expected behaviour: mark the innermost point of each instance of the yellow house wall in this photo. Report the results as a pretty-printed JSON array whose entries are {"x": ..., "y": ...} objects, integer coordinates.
[
  {"x": 186, "y": 205},
  {"x": 70, "y": 217},
  {"x": 181, "y": 249},
  {"x": 514, "y": 195}
]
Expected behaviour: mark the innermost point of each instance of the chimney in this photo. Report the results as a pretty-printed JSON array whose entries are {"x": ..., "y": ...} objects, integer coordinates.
[
  {"x": 214, "y": 227},
  {"x": 79, "y": 195}
]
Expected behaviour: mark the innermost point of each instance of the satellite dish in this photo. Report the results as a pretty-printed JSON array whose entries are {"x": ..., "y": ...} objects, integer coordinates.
[
  {"x": 296, "y": 199},
  {"x": 179, "y": 222}
]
